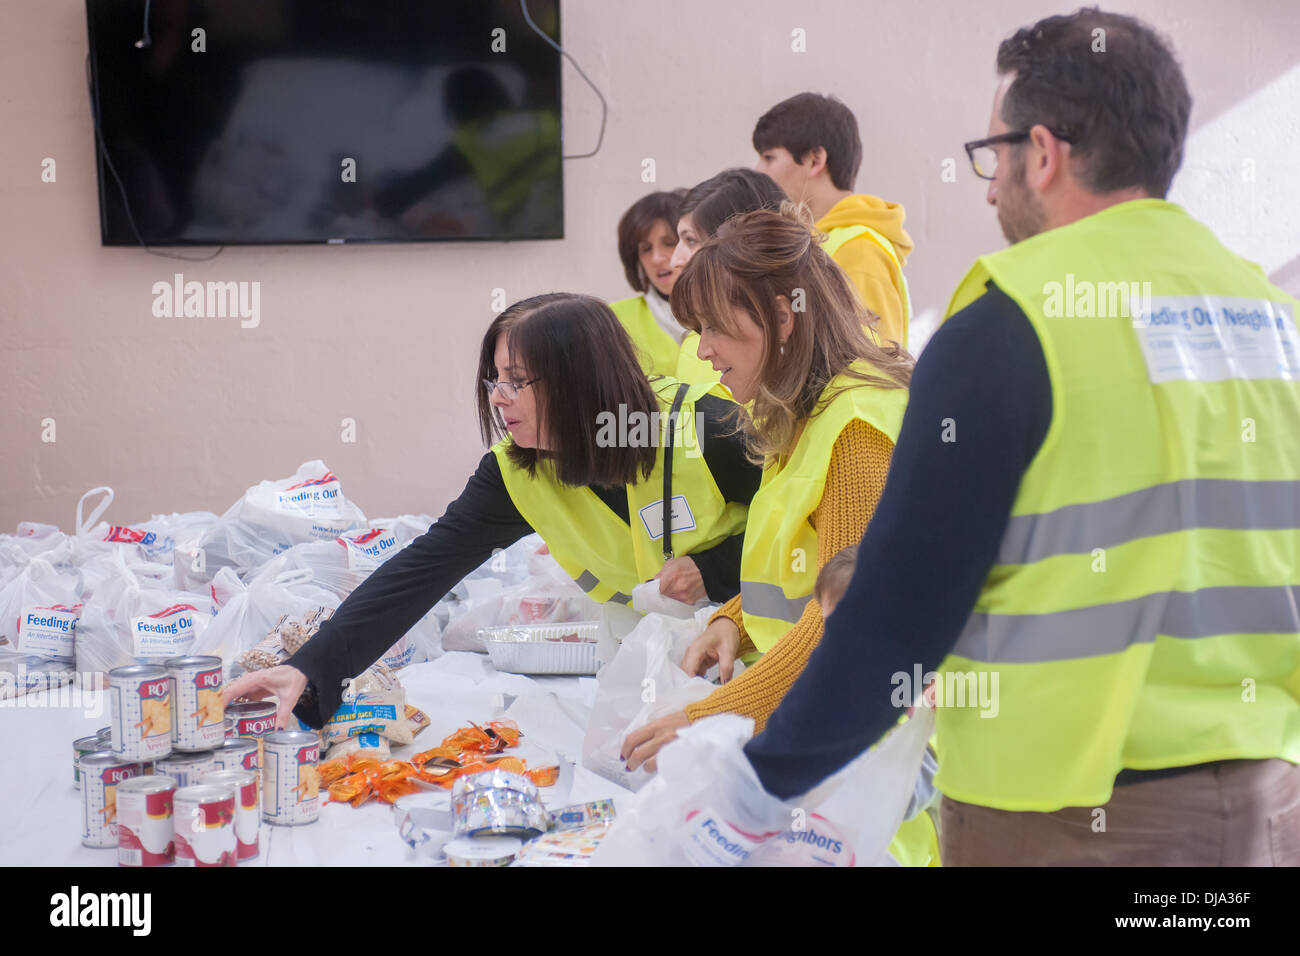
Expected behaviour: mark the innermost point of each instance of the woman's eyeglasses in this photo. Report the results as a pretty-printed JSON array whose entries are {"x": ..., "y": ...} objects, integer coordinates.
[
  {"x": 984, "y": 157},
  {"x": 509, "y": 390}
]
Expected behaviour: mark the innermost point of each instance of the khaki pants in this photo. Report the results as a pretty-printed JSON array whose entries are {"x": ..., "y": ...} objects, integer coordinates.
[{"x": 1230, "y": 813}]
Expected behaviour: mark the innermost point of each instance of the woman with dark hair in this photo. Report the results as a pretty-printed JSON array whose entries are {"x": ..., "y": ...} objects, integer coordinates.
[
  {"x": 717, "y": 199},
  {"x": 647, "y": 238},
  {"x": 580, "y": 454},
  {"x": 784, "y": 326}
]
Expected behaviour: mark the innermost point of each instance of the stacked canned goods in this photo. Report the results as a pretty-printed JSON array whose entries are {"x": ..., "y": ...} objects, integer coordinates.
[
  {"x": 144, "y": 821},
  {"x": 248, "y": 807},
  {"x": 290, "y": 779}
]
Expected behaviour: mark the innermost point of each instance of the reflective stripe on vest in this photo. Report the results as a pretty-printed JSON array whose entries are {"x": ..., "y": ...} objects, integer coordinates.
[
  {"x": 842, "y": 234},
  {"x": 1145, "y": 608},
  {"x": 606, "y": 556},
  {"x": 778, "y": 565}
]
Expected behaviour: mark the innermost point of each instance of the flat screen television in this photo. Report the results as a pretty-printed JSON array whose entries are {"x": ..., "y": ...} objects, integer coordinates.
[{"x": 295, "y": 121}]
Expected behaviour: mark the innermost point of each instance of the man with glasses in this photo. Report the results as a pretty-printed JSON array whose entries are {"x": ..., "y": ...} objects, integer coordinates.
[{"x": 1094, "y": 500}]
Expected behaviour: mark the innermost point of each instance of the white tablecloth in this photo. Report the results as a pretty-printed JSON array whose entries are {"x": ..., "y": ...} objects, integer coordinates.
[{"x": 40, "y": 810}]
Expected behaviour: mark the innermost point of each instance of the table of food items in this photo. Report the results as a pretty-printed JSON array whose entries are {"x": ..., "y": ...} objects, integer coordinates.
[{"x": 483, "y": 737}]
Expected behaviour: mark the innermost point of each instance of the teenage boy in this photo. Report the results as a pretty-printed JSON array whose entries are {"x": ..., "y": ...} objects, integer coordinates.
[{"x": 809, "y": 145}]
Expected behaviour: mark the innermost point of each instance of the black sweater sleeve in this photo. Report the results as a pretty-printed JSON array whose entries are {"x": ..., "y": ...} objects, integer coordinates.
[
  {"x": 737, "y": 479},
  {"x": 391, "y": 600},
  {"x": 979, "y": 410}
]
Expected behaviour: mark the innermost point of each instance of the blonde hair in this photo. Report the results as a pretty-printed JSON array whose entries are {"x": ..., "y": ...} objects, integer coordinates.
[{"x": 755, "y": 258}]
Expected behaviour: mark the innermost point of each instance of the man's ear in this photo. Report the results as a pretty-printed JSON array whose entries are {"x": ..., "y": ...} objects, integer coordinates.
[
  {"x": 1046, "y": 158},
  {"x": 815, "y": 159}
]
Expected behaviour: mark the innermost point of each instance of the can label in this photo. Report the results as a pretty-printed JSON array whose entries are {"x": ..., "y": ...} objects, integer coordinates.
[
  {"x": 144, "y": 828},
  {"x": 198, "y": 716},
  {"x": 141, "y": 713},
  {"x": 186, "y": 770},
  {"x": 237, "y": 758},
  {"x": 290, "y": 784},
  {"x": 99, "y": 802},
  {"x": 248, "y": 819},
  {"x": 205, "y": 832},
  {"x": 80, "y": 748}
]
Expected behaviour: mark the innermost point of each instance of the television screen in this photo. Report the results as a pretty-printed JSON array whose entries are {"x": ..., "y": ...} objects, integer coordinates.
[{"x": 278, "y": 121}]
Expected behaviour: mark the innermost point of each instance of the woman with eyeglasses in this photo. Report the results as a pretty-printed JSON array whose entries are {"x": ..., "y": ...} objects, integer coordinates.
[{"x": 583, "y": 454}]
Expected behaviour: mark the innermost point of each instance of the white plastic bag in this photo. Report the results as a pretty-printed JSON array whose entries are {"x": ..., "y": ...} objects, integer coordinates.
[
  {"x": 249, "y": 612},
  {"x": 547, "y": 596},
  {"x": 273, "y": 516},
  {"x": 39, "y": 610},
  {"x": 642, "y": 683},
  {"x": 849, "y": 820}
]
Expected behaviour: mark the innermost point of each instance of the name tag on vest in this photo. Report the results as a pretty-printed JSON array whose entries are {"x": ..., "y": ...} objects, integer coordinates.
[
  {"x": 652, "y": 516},
  {"x": 1209, "y": 339}
]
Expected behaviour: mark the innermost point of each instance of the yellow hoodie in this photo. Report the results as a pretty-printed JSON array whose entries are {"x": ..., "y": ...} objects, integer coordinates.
[{"x": 869, "y": 267}]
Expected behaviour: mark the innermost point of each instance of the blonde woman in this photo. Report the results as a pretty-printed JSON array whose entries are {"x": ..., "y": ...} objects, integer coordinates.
[{"x": 780, "y": 322}]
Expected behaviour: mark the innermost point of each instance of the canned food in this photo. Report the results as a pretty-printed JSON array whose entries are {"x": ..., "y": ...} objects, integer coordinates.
[
  {"x": 229, "y": 723},
  {"x": 248, "y": 810},
  {"x": 101, "y": 772},
  {"x": 144, "y": 821},
  {"x": 198, "y": 718},
  {"x": 290, "y": 780},
  {"x": 140, "y": 703},
  {"x": 484, "y": 851},
  {"x": 185, "y": 769},
  {"x": 236, "y": 753},
  {"x": 80, "y": 746},
  {"x": 106, "y": 735},
  {"x": 497, "y": 803},
  {"x": 205, "y": 825},
  {"x": 253, "y": 719}
]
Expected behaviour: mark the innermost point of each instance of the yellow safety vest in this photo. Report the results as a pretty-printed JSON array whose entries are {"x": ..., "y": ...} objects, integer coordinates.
[
  {"x": 778, "y": 565},
  {"x": 605, "y": 555},
  {"x": 1142, "y": 612},
  {"x": 656, "y": 350},
  {"x": 842, "y": 234}
]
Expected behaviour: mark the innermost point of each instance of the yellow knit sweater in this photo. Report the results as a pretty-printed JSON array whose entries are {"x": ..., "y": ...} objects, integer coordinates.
[{"x": 854, "y": 481}]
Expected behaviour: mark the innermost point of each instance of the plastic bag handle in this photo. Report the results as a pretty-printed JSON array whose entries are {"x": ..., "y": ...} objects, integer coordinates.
[
  {"x": 84, "y": 526},
  {"x": 296, "y": 576}
]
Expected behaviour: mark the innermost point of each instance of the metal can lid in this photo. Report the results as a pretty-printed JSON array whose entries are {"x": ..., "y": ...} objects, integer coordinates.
[
  {"x": 155, "y": 783},
  {"x": 237, "y": 778},
  {"x": 493, "y": 780},
  {"x": 86, "y": 744},
  {"x": 482, "y": 850},
  {"x": 198, "y": 661},
  {"x": 137, "y": 671},
  {"x": 292, "y": 737},
  {"x": 251, "y": 708},
  {"x": 205, "y": 793},
  {"x": 104, "y": 758},
  {"x": 179, "y": 757},
  {"x": 104, "y": 733},
  {"x": 242, "y": 744}
]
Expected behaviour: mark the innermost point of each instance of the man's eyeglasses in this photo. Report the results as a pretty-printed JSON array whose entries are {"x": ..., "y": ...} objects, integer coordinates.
[
  {"x": 984, "y": 158},
  {"x": 509, "y": 390}
]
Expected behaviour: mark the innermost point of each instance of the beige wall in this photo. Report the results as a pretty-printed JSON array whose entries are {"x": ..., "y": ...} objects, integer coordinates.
[{"x": 183, "y": 414}]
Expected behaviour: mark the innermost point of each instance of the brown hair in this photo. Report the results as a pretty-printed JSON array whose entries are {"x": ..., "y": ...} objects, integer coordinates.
[
  {"x": 833, "y": 579},
  {"x": 808, "y": 120},
  {"x": 727, "y": 194},
  {"x": 1125, "y": 109},
  {"x": 635, "y": 225},
  {"x": 755, "y": 258},
  {"x": 584, "y": 363}
]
